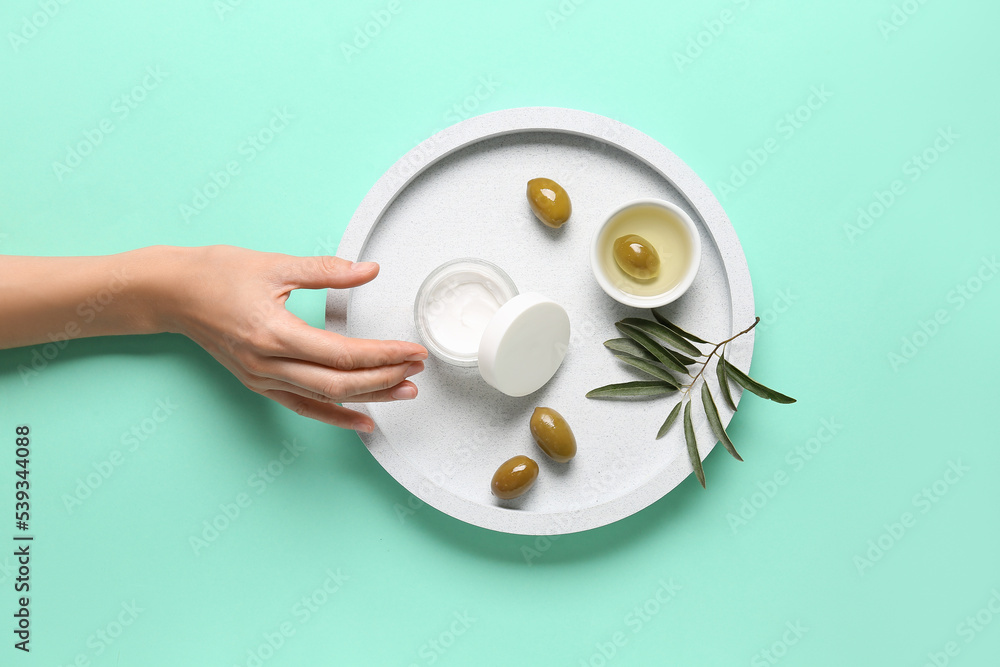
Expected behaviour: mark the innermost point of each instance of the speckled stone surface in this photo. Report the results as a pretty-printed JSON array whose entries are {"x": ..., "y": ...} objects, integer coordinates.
[{"x": 462, "y": 193}]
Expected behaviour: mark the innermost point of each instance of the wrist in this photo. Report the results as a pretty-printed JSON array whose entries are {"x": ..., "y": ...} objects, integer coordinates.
[{"x": 159, "y": 276}]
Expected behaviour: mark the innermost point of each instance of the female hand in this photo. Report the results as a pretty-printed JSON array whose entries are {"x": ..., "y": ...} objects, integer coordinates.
[{"x": 231, "y": 301}]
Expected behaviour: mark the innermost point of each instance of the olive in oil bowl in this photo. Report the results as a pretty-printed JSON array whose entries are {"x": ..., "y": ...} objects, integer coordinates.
[{"x": 664, "y": 229}]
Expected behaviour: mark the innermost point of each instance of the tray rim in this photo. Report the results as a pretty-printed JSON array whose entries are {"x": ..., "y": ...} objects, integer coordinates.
[{"x": 603, "y": 130}]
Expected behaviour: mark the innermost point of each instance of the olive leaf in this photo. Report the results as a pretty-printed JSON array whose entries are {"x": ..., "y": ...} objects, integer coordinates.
[
  {"x": 671, "y": 418},
  {"x": 632, "y": 389},
  {"x": 649, "y": 368},
  {"x": 713, "y": 420},
  {"x": 677, "y": 330},
  {"x": 651, "y": 346},
  {"x": 642, "y": 349},
  {"x": 683, "y": 360},
  {"x": 720, "y": 371},
  {"x": 628, "y": 346},
  {"x": 752, "y": 385},
  {"x": 678, "y": 357},
  {"x": 692, "y": 445},
  {"x": 663, "y": 333}
]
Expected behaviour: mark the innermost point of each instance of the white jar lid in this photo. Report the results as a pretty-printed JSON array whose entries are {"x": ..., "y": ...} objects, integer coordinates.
[{"x": 524, "y": 344}]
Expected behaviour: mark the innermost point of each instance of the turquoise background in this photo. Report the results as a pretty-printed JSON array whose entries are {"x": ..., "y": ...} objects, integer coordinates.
[{"x": 835, "y": 305}]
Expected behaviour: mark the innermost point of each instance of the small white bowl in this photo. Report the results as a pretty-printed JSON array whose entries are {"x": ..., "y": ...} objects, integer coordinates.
[{"x": 655, "y": 300}]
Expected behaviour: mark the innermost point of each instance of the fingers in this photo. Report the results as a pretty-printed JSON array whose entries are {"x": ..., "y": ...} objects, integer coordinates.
[
  {"x": 325, "y": 271},
  {"x": 329, "y": 413},
  {"x": 403, "y": 391},
  {"x": 340, "y": 385},
  {"x": 326, "y": 348}
]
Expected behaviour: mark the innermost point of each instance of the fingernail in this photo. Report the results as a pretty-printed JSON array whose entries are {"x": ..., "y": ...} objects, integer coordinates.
[
  {"x": 404, "y": 393},
  {"x": 414, "y": 368},
  {"x": 363, "y": 267},
  {"x": 363, "y": 427},
  {"x": 419, "y": 356}
]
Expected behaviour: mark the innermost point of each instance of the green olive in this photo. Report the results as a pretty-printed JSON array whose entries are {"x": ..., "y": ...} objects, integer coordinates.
[
  {"x": 549, "y": 201},
  {"x": 514, "y": 477},
  {"x": 553, "y": 434},
  {"x": 637, "y": 257}
]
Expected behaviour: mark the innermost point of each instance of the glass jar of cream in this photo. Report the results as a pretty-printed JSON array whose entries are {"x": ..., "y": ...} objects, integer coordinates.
[
  {"x": 468, "y": 312},
  {"x": 455, "y": 303}
]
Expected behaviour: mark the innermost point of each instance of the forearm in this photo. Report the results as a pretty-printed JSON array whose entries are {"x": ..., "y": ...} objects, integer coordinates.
[
  {"x": 228, "y": 300},
  {"x": 43, "y": 299}
]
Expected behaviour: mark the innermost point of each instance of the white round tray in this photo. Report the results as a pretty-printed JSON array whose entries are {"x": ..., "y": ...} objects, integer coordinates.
[{"x": 461, "y": 193}]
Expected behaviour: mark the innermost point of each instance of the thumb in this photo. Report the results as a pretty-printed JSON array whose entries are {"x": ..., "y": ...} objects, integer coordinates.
[{"x": 325, "y": 271}]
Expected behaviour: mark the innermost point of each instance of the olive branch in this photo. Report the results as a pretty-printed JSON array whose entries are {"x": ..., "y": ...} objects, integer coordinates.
[{"x": 642, "y": 348}]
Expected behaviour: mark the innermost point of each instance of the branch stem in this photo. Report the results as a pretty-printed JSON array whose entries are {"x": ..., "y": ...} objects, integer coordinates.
[{"x": 689, "y": 387}]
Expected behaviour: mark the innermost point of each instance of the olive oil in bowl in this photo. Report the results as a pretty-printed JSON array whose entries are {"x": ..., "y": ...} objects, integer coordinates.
[{"x": 664, "y": 231}]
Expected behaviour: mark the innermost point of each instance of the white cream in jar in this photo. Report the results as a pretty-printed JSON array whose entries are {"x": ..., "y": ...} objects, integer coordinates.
[
  {"x": 460, "y": 315},
  {"x": 455, "y": 304},
  {"x": 468, "y": 313}
]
